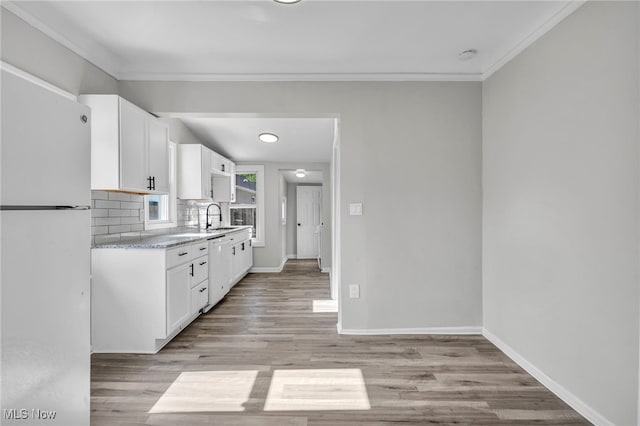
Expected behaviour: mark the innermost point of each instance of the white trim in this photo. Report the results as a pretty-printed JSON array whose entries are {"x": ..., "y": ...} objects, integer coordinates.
[
  {"x": 100, "y": 57},
  {"x": 36, "y": 80},
  {"x": 292, "y": 256},
  {"x": 372, "y": 76},
  {"x": 326, "y": 270},
  {"x": 420, "y": 330},
  {"x": 269, "y": 269},
  {"x": 572, "y": 400},
  {"x": 565, "y": 11},
  {"x": 258, "y": 169}
]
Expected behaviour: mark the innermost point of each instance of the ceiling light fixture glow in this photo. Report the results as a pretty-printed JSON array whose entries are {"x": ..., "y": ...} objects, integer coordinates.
[
  {"x": 287, "y": 1},
  {"x": 268, "y": 137},
  {"x": 300, "y": 173}
]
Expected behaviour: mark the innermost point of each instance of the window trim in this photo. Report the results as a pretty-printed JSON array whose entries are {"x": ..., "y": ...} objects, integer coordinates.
[
  {"x": 172, "y": 222},
  {"x": 259, "y": 240}
]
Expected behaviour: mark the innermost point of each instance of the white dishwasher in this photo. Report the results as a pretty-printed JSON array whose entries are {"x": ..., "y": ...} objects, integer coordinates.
[{"x": 219, "y": 269}]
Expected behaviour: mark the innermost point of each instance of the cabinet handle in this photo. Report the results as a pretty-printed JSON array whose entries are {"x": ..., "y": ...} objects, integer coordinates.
[
  {"x": 202, "y": 248},
  {"x": 222, "y": 167},
  {"x": 234, "y": 251},
  {"x": 202, "y": 289},
  {"x": 183, "y": 253},
  {"x": 149, "y": 187},
  {"x": 191, "y": 266},
  {"x": 242, "y": 246},
  {"x": 154, "y": 182},
  {"x": 203, "y": 263},
  {"x": 250, "y": 243}
]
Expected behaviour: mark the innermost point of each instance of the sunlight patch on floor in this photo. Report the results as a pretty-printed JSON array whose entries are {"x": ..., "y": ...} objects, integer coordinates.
[
  {"x": 319, "y": 389},
  {"x": 201, "y": 391},
  {"x": 325, "y": 306}
]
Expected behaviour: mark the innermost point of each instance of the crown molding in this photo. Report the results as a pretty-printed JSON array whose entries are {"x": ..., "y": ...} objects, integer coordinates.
[
  {"x": 274, "y": 77},
  {"x": 108, "y": 63},
  {"x": 102, "y": 61},
  {"x": 565, "y": 11}
]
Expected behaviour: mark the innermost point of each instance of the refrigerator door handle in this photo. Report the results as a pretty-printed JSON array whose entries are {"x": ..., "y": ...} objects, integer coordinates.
[{"x": 45, "y": 207}]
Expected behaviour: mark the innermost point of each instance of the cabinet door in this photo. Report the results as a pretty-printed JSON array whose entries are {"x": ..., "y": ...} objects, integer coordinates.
[
  {"x": 249, "y": 254},
  {"x": 236, "y": 261},
  {"x": 133, "y": 148},
  {"x": 178, "y": 296},
  {"x": 159, "y": 154},
  {"x": 232, "y": 182},
  {"x": 207, "y": 192}
]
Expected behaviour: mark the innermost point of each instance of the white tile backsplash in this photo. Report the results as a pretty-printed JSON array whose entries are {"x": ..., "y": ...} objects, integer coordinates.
[{"x": 115, "y": 216}]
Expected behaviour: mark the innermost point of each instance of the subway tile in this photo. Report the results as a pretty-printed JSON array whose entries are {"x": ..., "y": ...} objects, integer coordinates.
[
  {"x": 119, "y": 228},
  {"x": 130, "y": 235},
  {"x": 99, "y": 212},
  {"x": 119, "y": 196},
  {"x": 99, "y": 221},
  {"x": 137, "y": 198},
  {"x": 130, "y": 205},
  {"x": 118, "y": 212},
  {"x": 99, "y": 195},
  {"x": 137, "y": 227},
  {"x": 102, "y": 239},
  {"x": 102, "y": 204},
  {"x": 129, "y": 220},
  {"x": 99, "y": 230}
]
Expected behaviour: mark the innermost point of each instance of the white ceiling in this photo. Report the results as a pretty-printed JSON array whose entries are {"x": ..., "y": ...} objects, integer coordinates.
[
  {"x": 310, "y": 40},
  {"x": 312, "y": 176},
  {"x": 302, "y": 140}
]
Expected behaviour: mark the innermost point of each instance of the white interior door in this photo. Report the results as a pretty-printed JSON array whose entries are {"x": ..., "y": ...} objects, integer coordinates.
[{"x": 309, "y": 220}]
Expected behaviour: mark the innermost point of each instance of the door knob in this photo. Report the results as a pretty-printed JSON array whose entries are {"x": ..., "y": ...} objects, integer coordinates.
[{"x": 298, "y": 224}]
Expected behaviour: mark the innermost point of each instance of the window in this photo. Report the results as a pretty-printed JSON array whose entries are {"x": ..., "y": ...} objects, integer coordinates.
[
  {"x": 248, "y": 209},
  {"x": 161, "y": 210}
]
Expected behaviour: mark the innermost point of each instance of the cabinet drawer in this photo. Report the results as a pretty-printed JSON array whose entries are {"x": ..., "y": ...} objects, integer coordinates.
[
  {"x": 199, "y": 296},
  {"x": 200, "y": 249},
  {"x": 178, "y": 255},
  {"x": 200, "y": 270}
]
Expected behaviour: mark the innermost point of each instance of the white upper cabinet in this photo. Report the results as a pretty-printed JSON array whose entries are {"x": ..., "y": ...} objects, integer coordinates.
[
  {"x": 204, "y": 174},
  {"x": 129, "y": 147},
  {"x": 194, "y": 172}
]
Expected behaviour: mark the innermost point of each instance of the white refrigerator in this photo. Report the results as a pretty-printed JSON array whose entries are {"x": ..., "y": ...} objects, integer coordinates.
[{"x": 45, "y": 233}]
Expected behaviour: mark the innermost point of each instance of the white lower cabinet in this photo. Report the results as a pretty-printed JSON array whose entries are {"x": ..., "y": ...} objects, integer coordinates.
[
  {"x": 142, "y": 298},
  {"x": 241, "y": 256}
]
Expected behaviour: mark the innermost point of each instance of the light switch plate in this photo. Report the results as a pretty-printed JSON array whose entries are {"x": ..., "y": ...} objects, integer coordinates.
[
  {"x": 354, "y": 291},
  {"x": 355, "y": 209}
]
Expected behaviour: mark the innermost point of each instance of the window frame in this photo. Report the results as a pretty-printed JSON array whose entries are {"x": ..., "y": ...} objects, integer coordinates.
[
  {"x": 259, "y": 240},
  {"x": 170, "y": 198}
]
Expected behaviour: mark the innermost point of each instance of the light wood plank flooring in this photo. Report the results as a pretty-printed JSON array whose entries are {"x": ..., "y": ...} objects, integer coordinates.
[{"x": 263, "y": 357}]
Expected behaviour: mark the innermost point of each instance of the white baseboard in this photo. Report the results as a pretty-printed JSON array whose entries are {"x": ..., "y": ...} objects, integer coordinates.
[
  {"x": 572, "y": 400},
  {"x": 326, "y": 270},
  {"x": 292, "y": 256},
  {"x": 269, "y": 269},
  {"x": 423, "y": 330}
]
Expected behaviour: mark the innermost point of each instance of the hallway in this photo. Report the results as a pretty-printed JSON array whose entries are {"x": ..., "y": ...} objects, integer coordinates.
[{"x": 263, "y": 357}]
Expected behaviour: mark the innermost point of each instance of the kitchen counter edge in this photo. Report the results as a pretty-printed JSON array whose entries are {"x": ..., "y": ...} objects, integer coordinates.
[{"x": 168, "y": 240}]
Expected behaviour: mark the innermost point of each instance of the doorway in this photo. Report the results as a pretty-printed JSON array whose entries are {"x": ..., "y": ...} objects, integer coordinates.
[{"x": 309, "y": 222}]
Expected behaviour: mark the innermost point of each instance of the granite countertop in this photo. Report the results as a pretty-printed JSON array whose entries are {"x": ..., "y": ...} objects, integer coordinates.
[{"x": 175, "y": 237}]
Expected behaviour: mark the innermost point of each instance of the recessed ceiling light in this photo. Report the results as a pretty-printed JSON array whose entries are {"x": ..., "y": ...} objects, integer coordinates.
[
  {"x": 468, "y": 54},
  {"x": 287, "y": 1},
  {"x": 301, "y": 173},
  {"x": 268, "y": 137}
]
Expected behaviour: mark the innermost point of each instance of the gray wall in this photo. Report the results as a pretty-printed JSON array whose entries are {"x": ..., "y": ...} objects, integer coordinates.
[
  {"x": 560, "y": 176},
  {"x": 423, "y": 274},
  {"x": 27, "y": 48},
  {"x": 274, "y": 251}
]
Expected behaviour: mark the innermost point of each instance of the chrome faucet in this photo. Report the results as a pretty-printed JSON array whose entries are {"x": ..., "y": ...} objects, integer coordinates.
[{"x": 219, "y": 214}]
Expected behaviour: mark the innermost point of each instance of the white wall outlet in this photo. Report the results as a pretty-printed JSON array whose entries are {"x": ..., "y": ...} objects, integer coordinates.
[
  {"x": 355, "y": 209},
  {"x": 354, "y": 291}
]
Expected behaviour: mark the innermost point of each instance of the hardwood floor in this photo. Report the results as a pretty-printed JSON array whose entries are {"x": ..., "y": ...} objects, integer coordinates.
[{"x": 263, "y": 357}]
